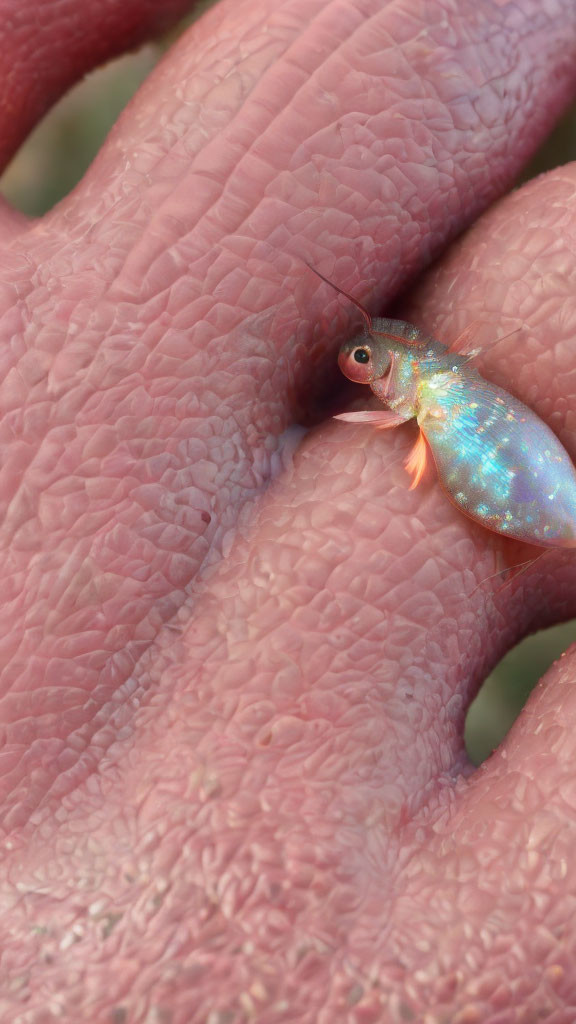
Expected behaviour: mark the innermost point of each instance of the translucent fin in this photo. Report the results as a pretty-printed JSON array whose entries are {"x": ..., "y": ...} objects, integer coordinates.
[
  {"x": 510, "y": 568},
  {"x": 514, "y": 571},
  {"x": 416, "y": 461},
  {"x": 463, "y": 345},
  {"x": 383, "y": 419}
]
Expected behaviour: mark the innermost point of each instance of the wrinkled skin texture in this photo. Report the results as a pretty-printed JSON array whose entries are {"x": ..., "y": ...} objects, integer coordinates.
[{"x": 237, "y": 652}]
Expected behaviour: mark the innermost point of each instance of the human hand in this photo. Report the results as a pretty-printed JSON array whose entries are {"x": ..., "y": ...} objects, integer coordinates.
[{"x": 236, "y": 655}]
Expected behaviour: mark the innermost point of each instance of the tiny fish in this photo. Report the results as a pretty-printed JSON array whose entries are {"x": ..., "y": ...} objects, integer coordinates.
[{"x": 497, "y": 460}]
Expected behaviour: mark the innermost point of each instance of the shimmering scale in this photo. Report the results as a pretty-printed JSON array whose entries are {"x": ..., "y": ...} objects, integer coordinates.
[
  {"x": 496, "y": 459},
  {"x": 499, "y": 463}
]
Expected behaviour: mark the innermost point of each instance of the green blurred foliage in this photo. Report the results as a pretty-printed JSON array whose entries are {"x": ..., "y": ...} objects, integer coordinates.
[
  {"x": 507, "y": 689},
  {"x": 62, "y": 147},
  {"x": 559, "y": 148},
  {"x": 54, "y": 159}
]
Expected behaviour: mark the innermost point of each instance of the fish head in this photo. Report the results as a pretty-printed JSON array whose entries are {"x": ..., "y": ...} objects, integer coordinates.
[{"x": 365, "y": 357}]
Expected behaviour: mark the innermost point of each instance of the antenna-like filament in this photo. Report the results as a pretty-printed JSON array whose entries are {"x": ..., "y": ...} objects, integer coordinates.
[
  {"x": 365, "y": 313},
  {"x": 346, "y": 295}
]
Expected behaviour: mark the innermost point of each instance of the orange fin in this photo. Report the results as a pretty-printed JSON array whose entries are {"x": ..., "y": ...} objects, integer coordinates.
[
  {"x": 416, "y": 461},
  {"x": 383, "y": 419}
]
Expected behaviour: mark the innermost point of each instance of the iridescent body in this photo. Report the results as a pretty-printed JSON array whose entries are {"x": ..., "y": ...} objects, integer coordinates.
[{"x": 497, "y": 461}]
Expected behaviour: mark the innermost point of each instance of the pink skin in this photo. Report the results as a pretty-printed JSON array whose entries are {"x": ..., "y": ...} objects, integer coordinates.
[
  {"x": 236, "y": 659},
  {"x": 43, "y": 52}
]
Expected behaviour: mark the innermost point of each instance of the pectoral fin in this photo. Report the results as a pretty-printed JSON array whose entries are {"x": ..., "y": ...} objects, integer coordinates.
[
  {"x": 382, "y": 419},
  {"x": 464, "y": 346}
]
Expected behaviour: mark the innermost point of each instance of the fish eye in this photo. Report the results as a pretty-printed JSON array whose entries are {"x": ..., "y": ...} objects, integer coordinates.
[{"x": 361, "y": 355}]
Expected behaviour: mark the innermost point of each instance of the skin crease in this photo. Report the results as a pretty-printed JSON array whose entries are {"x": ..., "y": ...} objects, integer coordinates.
[{"x": 237, "y": 654}]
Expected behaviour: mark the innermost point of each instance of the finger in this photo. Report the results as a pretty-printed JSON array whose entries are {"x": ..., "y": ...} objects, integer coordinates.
[
  {"x": 46, "y": 47},
  {"x": 141, "y": 438},
  {"x": 12, "y": 222},
  {"x": 230, "y": 203},
  {"x": 498, "y": 855}
]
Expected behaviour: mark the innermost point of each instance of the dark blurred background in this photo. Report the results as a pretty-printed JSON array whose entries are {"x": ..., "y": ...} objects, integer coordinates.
[{"x": 55, "y": 158}]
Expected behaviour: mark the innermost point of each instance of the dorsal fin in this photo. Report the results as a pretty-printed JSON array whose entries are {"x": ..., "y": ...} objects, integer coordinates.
[{"x": 463, "y": 345}]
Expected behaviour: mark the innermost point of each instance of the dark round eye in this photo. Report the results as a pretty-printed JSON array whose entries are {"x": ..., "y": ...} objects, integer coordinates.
[{"x": 361, "y": 355}]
